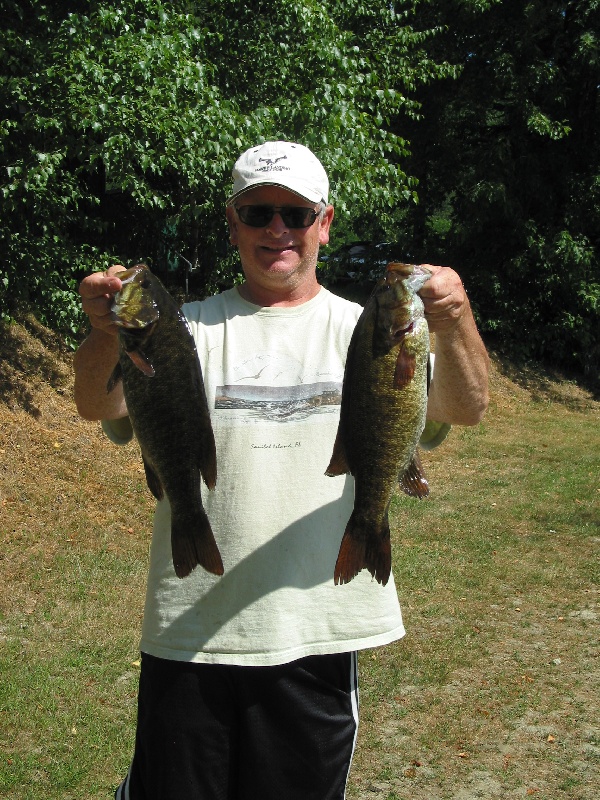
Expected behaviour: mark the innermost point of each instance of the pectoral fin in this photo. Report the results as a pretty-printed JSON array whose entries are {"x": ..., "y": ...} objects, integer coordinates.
[
  {"x": 405, "y": 367},
  {"x": 141, "y": 362}
]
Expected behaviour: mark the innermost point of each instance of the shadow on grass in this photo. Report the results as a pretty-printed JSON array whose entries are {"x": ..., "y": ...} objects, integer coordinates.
[
  {"x": 548, "y": 383},
  {"x": 30, "y": 356}
]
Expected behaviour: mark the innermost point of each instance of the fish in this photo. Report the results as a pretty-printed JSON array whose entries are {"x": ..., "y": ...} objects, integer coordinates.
[
  {"x": 166, "y": 400},
  {"x": 382, "y": 416}
]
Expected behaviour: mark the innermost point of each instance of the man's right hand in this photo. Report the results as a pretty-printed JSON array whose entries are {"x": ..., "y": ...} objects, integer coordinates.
[
  {"x": 97, "y": 355},
  {"x": 97, "y": 294}
]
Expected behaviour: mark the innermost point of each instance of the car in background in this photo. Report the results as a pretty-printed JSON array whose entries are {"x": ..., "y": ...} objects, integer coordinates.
[{"x": 362, "y": 262}]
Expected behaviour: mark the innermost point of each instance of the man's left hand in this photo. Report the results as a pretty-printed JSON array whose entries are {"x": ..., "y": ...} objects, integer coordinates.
[{"x": 444, "y": 298}]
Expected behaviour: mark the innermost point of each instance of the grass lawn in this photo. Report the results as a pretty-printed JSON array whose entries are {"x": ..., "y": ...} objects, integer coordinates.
[{"x": 494, "y": 691}]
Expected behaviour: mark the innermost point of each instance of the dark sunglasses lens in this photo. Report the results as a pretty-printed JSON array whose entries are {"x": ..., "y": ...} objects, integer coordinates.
[
  {"x": 256, "y": 216},
  {"x": 298, "y": 217},
  {"x": 293, "y": 216}
]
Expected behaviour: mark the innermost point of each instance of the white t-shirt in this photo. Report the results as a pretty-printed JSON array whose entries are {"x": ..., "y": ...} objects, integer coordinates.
[{"x": 273, "y": 379}]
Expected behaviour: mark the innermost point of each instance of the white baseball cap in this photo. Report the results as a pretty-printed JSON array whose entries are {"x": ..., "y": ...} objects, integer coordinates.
[{"x": 286, "y": 164}]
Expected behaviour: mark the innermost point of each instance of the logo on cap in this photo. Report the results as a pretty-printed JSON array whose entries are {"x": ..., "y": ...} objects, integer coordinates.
[{"x": 271, "y": 164}]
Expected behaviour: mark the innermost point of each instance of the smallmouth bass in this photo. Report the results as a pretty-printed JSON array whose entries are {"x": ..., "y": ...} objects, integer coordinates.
[
  {"x": 382, "y": 416},
  {"x": 165, "y": 396}
]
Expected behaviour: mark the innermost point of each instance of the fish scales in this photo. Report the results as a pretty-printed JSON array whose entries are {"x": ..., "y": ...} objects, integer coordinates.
[
  {"x": 166, "y": 401},
  {"x": 384, "y": 403}
]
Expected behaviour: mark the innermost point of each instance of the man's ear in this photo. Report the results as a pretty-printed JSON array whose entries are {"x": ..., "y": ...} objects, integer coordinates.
[
  {"x": 232, "y": 221},
  {"x": 325, "y": 224}
]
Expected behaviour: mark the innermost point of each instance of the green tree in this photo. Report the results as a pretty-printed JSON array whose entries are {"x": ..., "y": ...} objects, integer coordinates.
[
  {"x": 121, "y": 122},
  {"x": 508, "y": 163}
]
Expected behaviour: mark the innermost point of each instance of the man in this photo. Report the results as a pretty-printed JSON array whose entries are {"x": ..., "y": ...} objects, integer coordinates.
[{"x": 248, "y": 681}]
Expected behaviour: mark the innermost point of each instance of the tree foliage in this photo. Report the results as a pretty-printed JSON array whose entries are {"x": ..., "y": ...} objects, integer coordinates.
[
  {"x": 122, "y": 122},
  {"x": 508, "y": 161},
  {"x": 464, "y": 129}
]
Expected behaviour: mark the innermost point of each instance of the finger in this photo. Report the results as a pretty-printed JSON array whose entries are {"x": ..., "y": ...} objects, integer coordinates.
[
  {"x": 97, "y": 296},
  {"x": 448, "y": 307},
  {"x": 97, "y": 306},
  {"x": 443, "y": 314},
  {"x": 434, "y": 286},
  {"x": 433, "y": 268},
  {"x": 445, "y": 283},
  {"x": 115, "y": 269},
  {"x": 100, "y": 283}
]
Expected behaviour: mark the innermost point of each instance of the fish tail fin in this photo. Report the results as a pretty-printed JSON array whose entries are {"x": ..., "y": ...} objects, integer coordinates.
[
  {"x": 193, "y": 543},
  {"x": 379, "y": 554},
  {"x": 358, "y": 552},
  {"x": 351, "y": 557}
]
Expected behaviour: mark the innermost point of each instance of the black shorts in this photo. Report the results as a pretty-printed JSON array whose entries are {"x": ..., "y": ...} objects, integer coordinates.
[{"x": 216, "y": 732}]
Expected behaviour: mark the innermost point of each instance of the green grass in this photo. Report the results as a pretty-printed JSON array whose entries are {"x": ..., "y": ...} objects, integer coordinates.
[
  {"x": 70, "y": 679},
  {"x": 493, "y": 693},
  {"x": 498, "y": 575}
]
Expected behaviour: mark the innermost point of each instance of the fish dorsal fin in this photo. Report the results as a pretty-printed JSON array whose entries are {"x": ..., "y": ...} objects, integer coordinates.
[
  {"x": 338, "y": 464},
  {"x": 405, "y": 367},
  {"x": 413, "y": 481},
  {"x": 141, "y": 362}
]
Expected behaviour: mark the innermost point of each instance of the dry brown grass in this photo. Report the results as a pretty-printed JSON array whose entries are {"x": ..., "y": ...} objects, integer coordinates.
[{"x": 492, "y": 694}]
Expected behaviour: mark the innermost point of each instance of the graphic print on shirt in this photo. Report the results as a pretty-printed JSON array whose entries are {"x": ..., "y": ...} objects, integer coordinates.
[{"x": 271, "y": 387}]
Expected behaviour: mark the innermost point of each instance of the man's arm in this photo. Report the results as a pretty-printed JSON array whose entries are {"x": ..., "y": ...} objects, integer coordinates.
[
  {"x": 459, "y": 389},
  {"x": 97, "y": 355}
]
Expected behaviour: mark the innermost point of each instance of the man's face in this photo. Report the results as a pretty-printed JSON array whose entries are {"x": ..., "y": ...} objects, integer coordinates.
[{"x": 277, "y": 256}]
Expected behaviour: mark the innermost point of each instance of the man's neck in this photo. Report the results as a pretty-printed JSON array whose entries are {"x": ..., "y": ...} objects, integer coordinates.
[{"x": 261, "y": 296}]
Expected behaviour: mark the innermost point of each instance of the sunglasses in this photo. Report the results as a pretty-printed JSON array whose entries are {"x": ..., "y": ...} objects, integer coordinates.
[{"x": 292, "y": 216}]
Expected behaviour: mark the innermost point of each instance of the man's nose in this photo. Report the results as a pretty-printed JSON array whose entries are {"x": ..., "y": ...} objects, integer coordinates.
[{"x": 277, "y": 226}]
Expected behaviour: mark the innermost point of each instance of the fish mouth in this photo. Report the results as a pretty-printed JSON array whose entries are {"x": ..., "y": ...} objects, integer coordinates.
[
  {"x": 130, "y": 274},
  {"x": 399, "y": 332},
  {"x": 134, "y": 306},
  {"x": 411, "y": 276},
  {"x": 399, "y": 271},
  {"x": 131, "y": 324},
  {"x": 142, "y": 316}
]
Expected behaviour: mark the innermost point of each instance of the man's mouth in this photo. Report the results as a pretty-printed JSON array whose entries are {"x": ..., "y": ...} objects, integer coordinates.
[{"x": 279, "y": 249}]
